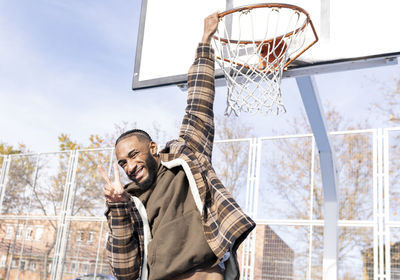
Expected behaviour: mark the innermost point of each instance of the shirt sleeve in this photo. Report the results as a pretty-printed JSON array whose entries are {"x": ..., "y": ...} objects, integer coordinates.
[
  {"x": 123, "y": 244},
  {"x": 198, "y": 123}
]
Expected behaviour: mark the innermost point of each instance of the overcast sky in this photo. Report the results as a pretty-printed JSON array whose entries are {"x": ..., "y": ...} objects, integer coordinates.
[{"x": 66, "y": 67}]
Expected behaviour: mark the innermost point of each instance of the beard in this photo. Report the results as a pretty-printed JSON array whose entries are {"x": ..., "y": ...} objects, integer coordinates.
[{"x": 151, "y": 165}]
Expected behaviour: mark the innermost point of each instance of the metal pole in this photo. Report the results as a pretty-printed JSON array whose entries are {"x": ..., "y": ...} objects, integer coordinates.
[
  {"x": 386, "y": 200},
  {"x": 325, "y": 20},
  {"x": 67, "y": 213},
  {"x": 61, "y": 219},
  {"x": 229, "y": 6},
  {"x": 244, "y": 268},
  {"x": 256, "y": 184},
  {"x": 310, "y": 227},
  {"x": 12, "y": 252},
  {"x": 3, "y": 178},
  {"x": 248, "y": 243},
  {"x": 381, "y": 263},
  {"x": 25, "y": 227},
  {"x": 316, "y": 118},
  {"x": 375, "y": 202},
  {"x": 64, "y": 218},
  {"x": 98, "y": 248}
]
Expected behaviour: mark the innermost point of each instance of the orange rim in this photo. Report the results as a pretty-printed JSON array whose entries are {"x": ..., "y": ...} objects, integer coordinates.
[{"x": 269, "y": 5}]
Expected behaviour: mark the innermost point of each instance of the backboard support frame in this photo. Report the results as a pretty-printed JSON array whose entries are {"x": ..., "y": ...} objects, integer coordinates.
[{"x": 334, "y": 67}]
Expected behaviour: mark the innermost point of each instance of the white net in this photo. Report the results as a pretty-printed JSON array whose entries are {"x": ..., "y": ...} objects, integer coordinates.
[{"x": 253, "y": 46}]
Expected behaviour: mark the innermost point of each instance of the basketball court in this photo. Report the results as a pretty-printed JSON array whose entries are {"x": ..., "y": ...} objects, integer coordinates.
[
  {"x": 325, "y": 203},
  {"x": 302, "y": 39}
]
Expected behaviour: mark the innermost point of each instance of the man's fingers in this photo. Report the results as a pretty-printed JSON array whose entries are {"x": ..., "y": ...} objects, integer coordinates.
[
  {"x": 110, "y": 198},
  {"x": 108, "y": 188},
  {"x": 116, "y": 172},
  {"x": 117, "y": 183},
  {"x": 104, "y": 174},
  {"x": 113, "y": 191},
  {"x": 108, "y": 193},
  {"x": 210, "y": 26},
  {"x": 214, "y": 22}
]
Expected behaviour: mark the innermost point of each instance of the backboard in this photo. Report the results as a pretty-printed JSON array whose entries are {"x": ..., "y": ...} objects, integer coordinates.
[{"x": 352, "y": 34}]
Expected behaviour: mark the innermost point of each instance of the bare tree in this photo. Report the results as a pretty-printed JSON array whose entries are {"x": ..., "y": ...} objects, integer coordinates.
[
  {"x": 287, "y": 178},
  {"x": 230, "y": 159},
  {"x": 15, "y": 199},
  {"x": 390, "y": 101},
  {"x": 19, "y": 178},
  {"x": 389, "y": 106}
]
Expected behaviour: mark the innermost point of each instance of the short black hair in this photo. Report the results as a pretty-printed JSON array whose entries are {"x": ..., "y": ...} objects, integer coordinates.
[{"x": 141, "y": 134}]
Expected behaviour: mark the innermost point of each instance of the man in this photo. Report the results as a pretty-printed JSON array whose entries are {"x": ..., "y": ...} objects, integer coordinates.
[{"x": 175, "y": 220}]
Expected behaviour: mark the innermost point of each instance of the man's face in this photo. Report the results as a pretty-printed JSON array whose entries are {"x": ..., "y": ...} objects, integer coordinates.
[{"x": 136, "y": 158}]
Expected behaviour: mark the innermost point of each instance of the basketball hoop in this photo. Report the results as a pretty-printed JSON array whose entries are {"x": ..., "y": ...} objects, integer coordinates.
[{"x": 254, "y": 44}]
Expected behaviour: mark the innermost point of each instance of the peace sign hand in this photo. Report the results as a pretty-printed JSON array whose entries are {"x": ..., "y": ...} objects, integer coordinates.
[{"x": 113, "y": 190}]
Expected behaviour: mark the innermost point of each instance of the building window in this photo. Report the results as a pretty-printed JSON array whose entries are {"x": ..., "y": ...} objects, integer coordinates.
[
  {"x": 38, "y": 233},
  {"x": 32, "y": 266},
  {"x": 90, "y": 237},
  {"x": 19, "y": 231},
  {"x": 9, "y": 231},
  {"x": 3, "y": 260},
  {"x": 14, "y": 264},
  {"x": 85, "y": 268},
  {"x": 23, "y": 264},
  {"x": 29, "y": 233},
  {"x": 74, "y": 267},
  {"x": 79, "y": 236}
]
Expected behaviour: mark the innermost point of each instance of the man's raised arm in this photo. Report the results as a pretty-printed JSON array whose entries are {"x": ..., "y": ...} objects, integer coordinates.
[{"x": 198, "y": 123}]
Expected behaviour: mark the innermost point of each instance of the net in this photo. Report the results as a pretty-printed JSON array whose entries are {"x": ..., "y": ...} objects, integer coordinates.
[{"x": 254, "y": 45}]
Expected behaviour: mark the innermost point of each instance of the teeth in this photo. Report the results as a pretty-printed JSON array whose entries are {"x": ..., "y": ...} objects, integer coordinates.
[{"x": 138, "y": 170}]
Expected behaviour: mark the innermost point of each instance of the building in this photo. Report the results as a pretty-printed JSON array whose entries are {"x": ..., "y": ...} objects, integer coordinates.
[
  {"x": 273, "y": 258},
  {"x": 27, "y": 249},
  {"x": 368, "y": 262}
]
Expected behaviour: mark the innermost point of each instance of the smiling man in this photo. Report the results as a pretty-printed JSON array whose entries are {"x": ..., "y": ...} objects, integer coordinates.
[
  {"x": 137, "y": 144},
  {"x": 175, "y": 220}
]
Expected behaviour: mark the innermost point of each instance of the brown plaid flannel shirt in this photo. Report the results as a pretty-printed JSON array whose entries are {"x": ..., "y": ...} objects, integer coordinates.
[{"x": 225, "y": 225}]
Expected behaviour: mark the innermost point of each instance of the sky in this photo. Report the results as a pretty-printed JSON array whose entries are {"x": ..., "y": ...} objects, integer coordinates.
[{"x": 67, "y": 66}]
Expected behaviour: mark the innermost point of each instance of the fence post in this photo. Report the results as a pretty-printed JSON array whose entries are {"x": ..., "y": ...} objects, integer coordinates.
[
  {"x": 3, "y": 178},
  {"x": 60, "y": 249}
]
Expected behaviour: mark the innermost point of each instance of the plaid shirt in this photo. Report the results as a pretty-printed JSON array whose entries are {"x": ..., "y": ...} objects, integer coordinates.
[{"x": 225, "y": 225}]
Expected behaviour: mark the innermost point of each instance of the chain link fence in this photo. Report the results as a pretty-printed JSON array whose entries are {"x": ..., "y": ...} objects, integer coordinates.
[{"x": 52, "y": 223}]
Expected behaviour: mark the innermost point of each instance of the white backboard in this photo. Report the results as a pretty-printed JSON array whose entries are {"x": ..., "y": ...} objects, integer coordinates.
[{"x": 350, "y": 31}]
